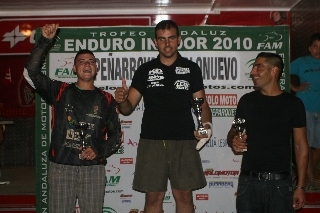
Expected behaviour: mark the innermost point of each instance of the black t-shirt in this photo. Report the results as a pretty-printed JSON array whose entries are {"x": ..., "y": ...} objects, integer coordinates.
[
  {"x": 167, "y": 92},
  {"x": 269, "y": 124}
]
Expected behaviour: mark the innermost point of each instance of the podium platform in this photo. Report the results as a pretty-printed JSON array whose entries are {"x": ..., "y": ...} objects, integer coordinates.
[{"x": 18, "y": 194}]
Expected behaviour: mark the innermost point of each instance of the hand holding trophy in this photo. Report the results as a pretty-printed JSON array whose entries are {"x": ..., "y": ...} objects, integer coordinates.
[
  {"x": 82, "y": 127},
  {"x": 239, "y": 125},
  {"x": 196, "y": 104}
]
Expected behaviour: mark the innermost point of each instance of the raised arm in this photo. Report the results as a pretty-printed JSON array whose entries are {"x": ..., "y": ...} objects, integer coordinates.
[{"x": 127, "y": 99}]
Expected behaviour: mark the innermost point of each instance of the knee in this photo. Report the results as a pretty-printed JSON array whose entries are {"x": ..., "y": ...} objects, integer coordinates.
[
  {"x": 154, "y": 198},
  {"x": 183, "y": 197}
]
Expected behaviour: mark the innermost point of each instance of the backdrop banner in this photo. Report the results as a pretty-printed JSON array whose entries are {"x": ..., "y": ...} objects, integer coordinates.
[{"x": 225, "y": 55}]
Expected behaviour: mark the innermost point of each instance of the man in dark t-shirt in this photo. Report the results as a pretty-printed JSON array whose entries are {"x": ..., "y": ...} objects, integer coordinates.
[
  {"x": 167, "y": 145},
  {"x": 271, "y": 115}
]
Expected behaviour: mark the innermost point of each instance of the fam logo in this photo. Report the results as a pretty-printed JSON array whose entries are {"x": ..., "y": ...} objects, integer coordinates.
[
  {"x": 14, "y": 36},
  {"x": 270, "y": 41},
  {"x": 211, "y": 172},
  {"x": 126, "y": 160},
  {"x": 202, "y": 197},
  {"x": 113, "y": 180},
  {"x": 221, "y": 184},
  {"x": 64, "y": 69}
]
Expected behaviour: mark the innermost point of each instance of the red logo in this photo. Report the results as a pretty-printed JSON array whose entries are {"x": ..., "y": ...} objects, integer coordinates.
[
  {"x": 126, "y": 160},
  {"x": 202, "y": 197},
  {"x": 222, "y": 99}
]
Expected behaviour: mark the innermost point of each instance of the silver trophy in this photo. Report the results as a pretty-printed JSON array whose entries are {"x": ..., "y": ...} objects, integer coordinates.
[
  {"x": 196, "y": 104},
  {"x": 82, "y": 127},
  {"x": 239, "y": 125}
]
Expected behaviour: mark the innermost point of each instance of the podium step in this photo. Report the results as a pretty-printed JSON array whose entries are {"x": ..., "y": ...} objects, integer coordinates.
[
  {"x": 17, "y": 203},
  {"x": 312, "y": 204}
]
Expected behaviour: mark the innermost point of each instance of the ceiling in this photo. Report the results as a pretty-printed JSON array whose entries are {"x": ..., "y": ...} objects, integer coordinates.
[{"x": 20, "y": 8}]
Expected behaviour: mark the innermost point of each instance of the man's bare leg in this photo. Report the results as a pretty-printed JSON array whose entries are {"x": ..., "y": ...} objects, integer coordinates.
[
  {"x": 154, "y": 201},
  {"x": 184, "y": 201}
]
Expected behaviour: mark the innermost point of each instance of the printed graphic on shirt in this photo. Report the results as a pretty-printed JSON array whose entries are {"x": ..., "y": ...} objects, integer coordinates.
[
  {"x": 154, "y": 77},
  {"x": 182, "y": 84},
  {"x": 181, "y": 70}
]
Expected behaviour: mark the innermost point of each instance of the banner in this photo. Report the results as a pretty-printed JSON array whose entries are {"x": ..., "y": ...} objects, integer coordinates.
[{"x": 225, "y": 56}]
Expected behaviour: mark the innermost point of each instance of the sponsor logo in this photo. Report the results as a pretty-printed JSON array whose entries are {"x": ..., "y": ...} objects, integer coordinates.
[
  {"x": 114, "y": 191},
  {"x": 181, "y": 70},
  {"x": 126, "y": 160},
  {"x": 123, "y": 122},
  {"x": 217, "y": 142},
  {"x": 113, "y": 180},
  {"x": 112, "y": 169},
  {"x": 202, "y": 197},
  {"x": 140, "y": 106},
  {"x": 132, "y": 143},
  {"x": 156, "y": 72},
  {"x": 211, "y": 172},
  {"x": 14, "y": 36},
  {"x": 222, "y": 99},
  {"x": 182, "y": 84},
  {"x": 120, "y": 150},
  {"x": 228, "y": 87},
  {"x": 123, "y": 196},
  {"x": 108, "y": 210},
  {"x": 223, "y": 112},
  {"x": 221, "y": 184}
]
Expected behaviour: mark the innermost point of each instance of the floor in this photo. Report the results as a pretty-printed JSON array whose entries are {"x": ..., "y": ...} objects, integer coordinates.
[{"x": 19, "y": 180}]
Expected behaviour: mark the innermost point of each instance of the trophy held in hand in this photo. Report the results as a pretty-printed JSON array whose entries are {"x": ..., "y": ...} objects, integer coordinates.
[
  {"x": 196, "y": 105},
  {"x": 82, "y": 127},
  {"x": 239, "y": 125}
]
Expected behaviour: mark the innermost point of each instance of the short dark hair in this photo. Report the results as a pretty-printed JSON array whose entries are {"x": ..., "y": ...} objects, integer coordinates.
[
  {"x": 313, "y": 38},
  {"x": 273, "y": 59},
  {"x": 165, "y": 25},
  {"x": 81, "y": 52}
]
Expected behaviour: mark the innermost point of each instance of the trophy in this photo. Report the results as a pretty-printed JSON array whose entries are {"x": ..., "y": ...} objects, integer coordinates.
[
  {"x": 239, "y": 125},
  {"x": 196, "y": 103},
  {"x": 82, "y": 127}
]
